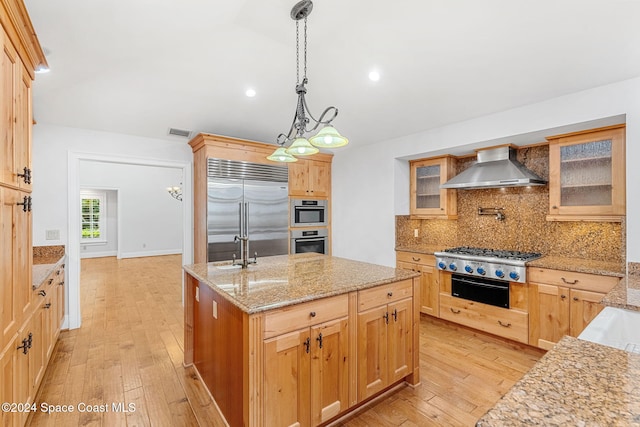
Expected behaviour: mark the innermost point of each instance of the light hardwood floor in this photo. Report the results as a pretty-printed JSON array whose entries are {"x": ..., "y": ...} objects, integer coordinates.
[{"x": 129, "y": 350}]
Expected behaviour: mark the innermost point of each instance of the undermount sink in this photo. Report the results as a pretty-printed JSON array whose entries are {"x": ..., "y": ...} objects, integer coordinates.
[
  {"x": 615, "y": 327},
  {"x": 228, "y": 266}
]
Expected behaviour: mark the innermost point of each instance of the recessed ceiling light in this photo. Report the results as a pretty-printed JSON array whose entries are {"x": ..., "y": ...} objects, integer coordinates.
[
  {"x": 250, "y": 93},
  {"x": 374, "y": 76}
]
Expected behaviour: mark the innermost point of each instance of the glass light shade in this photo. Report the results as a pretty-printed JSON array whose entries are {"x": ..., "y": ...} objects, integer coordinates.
[
  {"x": 328, "y": 137},
  {"x": 301, "y": 147},
  {"x": 281, "y": 155}
]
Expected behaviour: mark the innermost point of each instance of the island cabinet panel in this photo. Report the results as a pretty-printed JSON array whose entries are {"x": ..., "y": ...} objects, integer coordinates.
[
  {"x": 385, "y": 345},
  {"x": 429, "y": 279},
  {"x": 287, "y": 384},
  {"x": 218, "y": 351}
]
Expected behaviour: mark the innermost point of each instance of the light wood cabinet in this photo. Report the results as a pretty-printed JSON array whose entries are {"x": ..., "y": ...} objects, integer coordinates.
[
  {"x": 385, "y": 344},
  {"x": 587, "y": 175},
  {"x": 427, "y": 199},
  {"x": 310, "y": 178},
  {"x": 429, "y": 279},
  {"x": 563, "y": 303},
  {"x": 307, "y": 374}
]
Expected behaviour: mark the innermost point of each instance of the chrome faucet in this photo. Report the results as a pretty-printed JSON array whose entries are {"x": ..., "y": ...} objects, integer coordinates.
[{"x": 243, "y": 238}]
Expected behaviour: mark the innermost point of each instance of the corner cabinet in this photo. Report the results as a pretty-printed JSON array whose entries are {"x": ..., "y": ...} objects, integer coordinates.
[
  {"x": 311, "y": 178},
  {"x": 563, "y": 303},
  {"x": 587, "y": 175},
  {"x": 427, "y": 199}
]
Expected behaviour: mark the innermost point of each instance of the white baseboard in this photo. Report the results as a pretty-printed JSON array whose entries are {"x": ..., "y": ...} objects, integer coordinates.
[
  {"x": 98, "y": 254},
  {"x": 151, "y": 253}
]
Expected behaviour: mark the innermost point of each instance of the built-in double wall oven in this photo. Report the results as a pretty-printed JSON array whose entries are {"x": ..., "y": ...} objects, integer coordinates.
[{"x": 309, "y": 213}]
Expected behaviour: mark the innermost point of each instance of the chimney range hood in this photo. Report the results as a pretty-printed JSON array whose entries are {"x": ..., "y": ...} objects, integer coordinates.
[{"x": 496, "y": 167}]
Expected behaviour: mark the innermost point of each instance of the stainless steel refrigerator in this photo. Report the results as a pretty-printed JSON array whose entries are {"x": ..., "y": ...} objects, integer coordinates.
[{"x": 234, "y": 187}]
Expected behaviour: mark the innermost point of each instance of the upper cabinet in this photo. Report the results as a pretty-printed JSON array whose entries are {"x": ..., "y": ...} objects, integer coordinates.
[
  {"x": 587, "y": 175},
  {"x": 311, "y": 178},
  {"x": 427, "y": 198}
]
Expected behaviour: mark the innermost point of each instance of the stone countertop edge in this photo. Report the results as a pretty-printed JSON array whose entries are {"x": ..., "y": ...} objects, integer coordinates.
[
  {"x": 360, "y": 276},
  {"x": 576, "y": 383},
  {"x": 41, "y": 270},
  {"x": 625, "y": 294}
]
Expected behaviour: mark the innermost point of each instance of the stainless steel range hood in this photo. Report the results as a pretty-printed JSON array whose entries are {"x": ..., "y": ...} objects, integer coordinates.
[{"x": 496, "y": 167}]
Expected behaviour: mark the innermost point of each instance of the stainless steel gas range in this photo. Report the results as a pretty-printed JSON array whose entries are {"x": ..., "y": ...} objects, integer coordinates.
[{"x": 483, "y": 275}]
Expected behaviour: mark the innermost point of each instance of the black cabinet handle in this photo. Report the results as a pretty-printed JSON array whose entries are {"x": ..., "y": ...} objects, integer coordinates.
[
  {"x": 386, "y": 317},
  {"x": 26, "y": 175},
  {"x": 47, "y": 305},
  {"x": 26, "y": 204},
  {"x": 573, "y": 282},
  {"x": 319, "y": 339},
  {"x": 395, "y": 315},
  {"x": 389, "y": 294},
  {"x": 307, "y": 344},
  {"x": 24, "y": 346},
  {"x": 42, "y": 293},
  {"x": 454, "y": 311},
  {"x": 506, "y": 325},
  {"x": 312, "y": 314}
]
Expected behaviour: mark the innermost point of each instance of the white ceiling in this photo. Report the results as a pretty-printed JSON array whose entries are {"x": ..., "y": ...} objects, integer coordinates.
[{"x": 139, "y": 67}]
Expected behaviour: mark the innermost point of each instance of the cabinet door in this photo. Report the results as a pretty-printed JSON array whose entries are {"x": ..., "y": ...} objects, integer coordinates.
[
  {"x": 9, "y": 383},
  {"x": 286, "y": 380},
  {"x": 430, "y": 291},
  {"x": 587, "y": 174},
  {"x": 299, "y": 178},
  {"x": 329, "y": 370},
  {"x": 548, "y": 314},
  {"x": 427, "y": 199},
  {"x": 585, "y": 306},
  {"x": 399, "y": 346},
  {"x": 59, "y": 309},
  {"x": 38, "y": 327},
  {"x": 372, "y": 351},
  {"x": 23, "y": 127},
  {"x": 319, "y": 178},
  {"x": 9, "y": 74}
]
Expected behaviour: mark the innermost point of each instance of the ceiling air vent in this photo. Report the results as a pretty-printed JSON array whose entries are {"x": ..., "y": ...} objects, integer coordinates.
[{"x": 179, "y": 132}]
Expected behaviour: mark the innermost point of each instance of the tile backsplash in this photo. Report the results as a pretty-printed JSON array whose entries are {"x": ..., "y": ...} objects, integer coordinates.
[{"x": 524, "y": 228}]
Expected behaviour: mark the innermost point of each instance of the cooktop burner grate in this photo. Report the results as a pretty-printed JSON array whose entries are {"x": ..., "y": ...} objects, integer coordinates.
[{"x": 483, "y": 252}]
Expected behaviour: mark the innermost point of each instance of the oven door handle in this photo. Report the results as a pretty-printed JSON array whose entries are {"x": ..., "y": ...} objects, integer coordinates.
[
  {"x": 315, "y": 239},
  {"x": 481, "y": 284}
]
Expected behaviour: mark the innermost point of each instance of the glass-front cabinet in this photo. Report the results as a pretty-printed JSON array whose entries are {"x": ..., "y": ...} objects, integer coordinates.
[
  {"x": 587, "y": 175},
  {"x": 427, "y": 198}
]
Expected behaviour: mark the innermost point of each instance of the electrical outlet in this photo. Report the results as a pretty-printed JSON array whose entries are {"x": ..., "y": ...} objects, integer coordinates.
[
  {"x": 215, "y": 310},
  {"x": 415, "y": 232},
  {"x": 53, "y": 234}
]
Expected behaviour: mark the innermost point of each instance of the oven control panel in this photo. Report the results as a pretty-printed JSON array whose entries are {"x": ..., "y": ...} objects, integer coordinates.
[{"x": 483, "y": 268}]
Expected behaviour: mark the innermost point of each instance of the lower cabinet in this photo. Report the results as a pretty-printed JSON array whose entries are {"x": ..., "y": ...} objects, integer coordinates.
[
  {"x": 429, "y": 279},
  {"x": 385, "y": 344},
  {"x": 306, "y": 375},
  {"x": 563, "y": 303}
]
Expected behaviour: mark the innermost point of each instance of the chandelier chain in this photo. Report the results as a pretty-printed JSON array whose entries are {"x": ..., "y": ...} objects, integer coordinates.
[
  {"x": 297, "y": 53},
  {"x": 305, "y": 48}
]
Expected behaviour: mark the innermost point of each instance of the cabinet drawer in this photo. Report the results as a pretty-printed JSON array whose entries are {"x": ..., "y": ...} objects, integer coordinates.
[
  {"x": 503, "y": 322},
  {"x": 300, "y": 316},
  {"x": 570, "y": 279},
  {"x": 416, "y": 258},
  {"x": 384, "y": 294}
]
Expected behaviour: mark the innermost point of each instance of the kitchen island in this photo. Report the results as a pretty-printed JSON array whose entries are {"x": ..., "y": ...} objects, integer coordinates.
[{"x": 300, "y": 339}]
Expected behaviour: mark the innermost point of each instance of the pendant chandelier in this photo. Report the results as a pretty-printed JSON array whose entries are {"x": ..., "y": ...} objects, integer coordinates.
[{"x": 294, "y": 142}]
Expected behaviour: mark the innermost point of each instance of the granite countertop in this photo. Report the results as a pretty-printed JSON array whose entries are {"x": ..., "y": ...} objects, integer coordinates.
[
  {"x": 46, "y": 259},
  {"x": 577, "y": 383},
  {"x": 284, "y": 280},
  {"x": 626, "y": 294},
  {"x": 603, "y": 268},
  {"x": 421, "y": 249}
]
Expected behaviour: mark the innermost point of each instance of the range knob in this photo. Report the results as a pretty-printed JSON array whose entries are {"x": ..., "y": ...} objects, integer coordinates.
[
  {"x": 442, "y": 265},
  {"x": 468, "y": 269},
  {"x": 481, "y": 271},
  {"x": 499, "y": 273},
  {"x": 453, "y": 267},
  {"x": 514, "y": 275}
]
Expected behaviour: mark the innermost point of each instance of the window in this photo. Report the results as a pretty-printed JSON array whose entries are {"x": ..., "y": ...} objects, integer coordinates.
[{"x": 94, "y": 210}]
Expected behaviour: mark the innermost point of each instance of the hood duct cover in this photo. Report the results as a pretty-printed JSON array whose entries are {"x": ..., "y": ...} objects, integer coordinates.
[{"x": 496, "y": 167}]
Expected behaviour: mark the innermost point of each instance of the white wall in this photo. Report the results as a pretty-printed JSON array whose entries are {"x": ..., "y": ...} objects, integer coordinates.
[
  {"x": 110, "y": 213},
  {"x": 57, "y": 154},
  {"x": 150, "y": 219},
  {"x": 363, "y": 217}
]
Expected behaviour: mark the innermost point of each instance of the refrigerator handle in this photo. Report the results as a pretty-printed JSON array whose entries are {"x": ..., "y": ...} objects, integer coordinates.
[
  {"x": 240, "y": 220},
  {"x": 246, "y": 219}
]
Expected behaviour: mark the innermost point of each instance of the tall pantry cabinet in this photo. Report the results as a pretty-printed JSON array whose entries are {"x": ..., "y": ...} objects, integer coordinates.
[{"x": 21, "y": 54}]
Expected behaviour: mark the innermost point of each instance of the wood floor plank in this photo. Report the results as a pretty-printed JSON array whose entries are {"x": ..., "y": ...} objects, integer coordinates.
[{"x": 129, "y": 350}]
